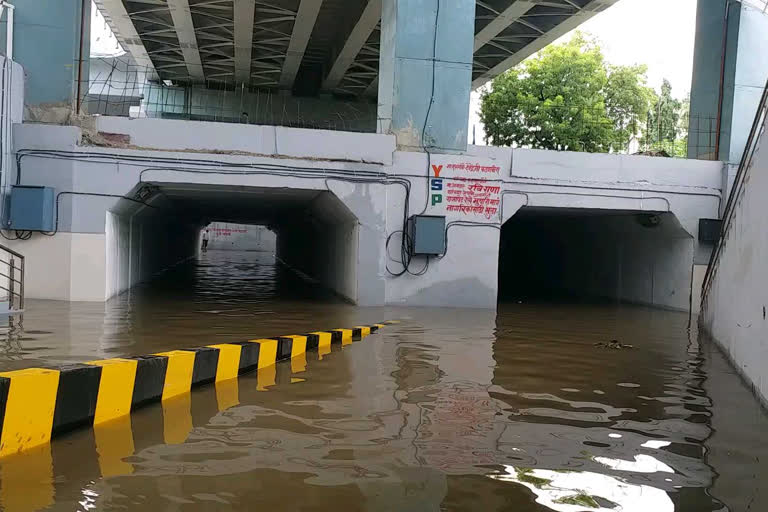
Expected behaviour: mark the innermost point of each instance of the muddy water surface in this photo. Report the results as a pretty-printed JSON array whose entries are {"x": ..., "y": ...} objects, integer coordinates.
[{"x": 448, "y": 410}]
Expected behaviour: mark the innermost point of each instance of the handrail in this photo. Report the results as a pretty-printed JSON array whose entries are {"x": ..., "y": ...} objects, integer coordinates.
[
  {"x": 11, "y": 251},
  {"x": 745, "y": 165},
  {"x": 15, "y": 297}
]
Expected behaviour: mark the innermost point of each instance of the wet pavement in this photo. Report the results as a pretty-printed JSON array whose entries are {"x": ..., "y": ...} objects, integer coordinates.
[{"x": 520, "y": 410}]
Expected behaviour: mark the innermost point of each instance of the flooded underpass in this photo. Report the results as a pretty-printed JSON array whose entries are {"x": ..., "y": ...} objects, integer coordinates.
[{"x": 528, "y": 408}]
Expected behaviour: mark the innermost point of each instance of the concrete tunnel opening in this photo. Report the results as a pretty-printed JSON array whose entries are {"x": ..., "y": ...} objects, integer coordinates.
[
  {"x": 314, "y": 235},
  {"x": 584, "y": 255}
]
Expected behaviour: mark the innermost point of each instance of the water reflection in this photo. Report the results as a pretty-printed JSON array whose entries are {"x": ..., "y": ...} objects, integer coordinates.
[
  {"x": 570, "y": 491},
  {"x": 11, "y": 337},
  {"x": 448, "y": 410}
]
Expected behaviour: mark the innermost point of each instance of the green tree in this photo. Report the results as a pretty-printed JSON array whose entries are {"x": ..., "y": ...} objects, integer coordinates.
[
  {"x": 663, "y": 118},
  {"x": 627, "y": 100},
  {"x": 566, "y": 98}
]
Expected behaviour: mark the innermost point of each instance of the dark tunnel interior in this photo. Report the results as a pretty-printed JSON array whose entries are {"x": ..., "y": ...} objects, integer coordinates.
[{"x": 575, "y": 255}]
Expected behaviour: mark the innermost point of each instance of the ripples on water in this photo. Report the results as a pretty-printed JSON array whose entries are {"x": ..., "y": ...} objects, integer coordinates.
[{"x": 449, "y": 410}]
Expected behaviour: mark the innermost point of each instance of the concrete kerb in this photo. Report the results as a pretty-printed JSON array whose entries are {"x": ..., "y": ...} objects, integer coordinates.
[{"x": 36, "y": 404}]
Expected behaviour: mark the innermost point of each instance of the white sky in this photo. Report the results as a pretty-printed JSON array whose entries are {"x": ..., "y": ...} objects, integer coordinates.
[{"x": 658, "y": 33}]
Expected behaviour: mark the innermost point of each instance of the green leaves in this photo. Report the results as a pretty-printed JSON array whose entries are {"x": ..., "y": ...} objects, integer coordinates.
[{"x": 566, "y": 98}]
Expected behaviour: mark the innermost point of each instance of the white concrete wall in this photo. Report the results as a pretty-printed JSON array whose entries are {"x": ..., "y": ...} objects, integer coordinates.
[
  {"x": 139, "y": 247},
  {"x": 631, "y": 263},
  {"x": 67, "y": 266},
  {"x": 734, "y": 306},
  {"x": 466, "y": 276},
  {"x": 225, "y": 236},
  {"x": 169, "y": 134},
  {"x": 324, "y": 245}
]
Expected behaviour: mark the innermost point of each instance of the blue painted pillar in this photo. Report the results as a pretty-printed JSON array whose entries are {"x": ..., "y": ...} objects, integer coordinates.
[
  {"x": 730, "y": 68},
  {"x": 425, "y": 72},
  {"x": 49, "y": 46}
]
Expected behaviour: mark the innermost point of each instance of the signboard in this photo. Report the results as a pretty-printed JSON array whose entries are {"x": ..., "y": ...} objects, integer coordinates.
[{"x": 465, "y": 189}]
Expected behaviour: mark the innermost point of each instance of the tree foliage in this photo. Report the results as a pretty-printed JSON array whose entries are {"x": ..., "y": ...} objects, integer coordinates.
[
  {"x": 667, "y": 122},
  {"x": 567, "y": 98}
]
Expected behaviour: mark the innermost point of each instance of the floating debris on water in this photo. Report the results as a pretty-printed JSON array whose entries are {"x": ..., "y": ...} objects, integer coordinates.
[{"x": 613, "y": 344}]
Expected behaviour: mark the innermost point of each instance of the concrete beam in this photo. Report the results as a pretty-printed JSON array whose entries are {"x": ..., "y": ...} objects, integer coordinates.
[
  {"x": 372, "y": 90},
  {"x": 513, "y": 13},
  {"x": 244, "y": 11},
  {"x": 588, "y": 11},
  {"x": 357, "y": 38},
  {"x": 302, "y": 30},
  {"x": 125, "y": 32},
  {"x": 185, "y": 32}
]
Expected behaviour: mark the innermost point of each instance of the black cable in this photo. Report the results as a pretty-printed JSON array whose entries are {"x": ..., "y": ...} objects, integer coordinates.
[
  {"x": 242, "y": 169},
  {"x": 223, "y": 167},
  {"x": 94, "y": 194},
  {"x": 7, "y": 237},
  {"x": 429, "y": 108},
  {"x": 85, "y": 156},
  {"x": 465, "y": 223}
]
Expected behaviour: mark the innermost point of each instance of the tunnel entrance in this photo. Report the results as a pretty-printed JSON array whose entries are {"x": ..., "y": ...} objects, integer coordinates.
[
  {"x": 309, "y": 234},
  {"x": 229, "y": 236},
  {"x": 565, "y": 255}
]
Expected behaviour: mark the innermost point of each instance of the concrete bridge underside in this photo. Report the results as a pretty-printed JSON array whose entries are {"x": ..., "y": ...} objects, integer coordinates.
[{"x": 311, "y": 46}]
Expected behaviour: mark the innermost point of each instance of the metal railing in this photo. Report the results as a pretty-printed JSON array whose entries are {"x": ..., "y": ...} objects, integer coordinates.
[
  {"x": 118, "y": 87},
  {"x": 12, "y": 277},
  {"x": 745, "y": 166}
]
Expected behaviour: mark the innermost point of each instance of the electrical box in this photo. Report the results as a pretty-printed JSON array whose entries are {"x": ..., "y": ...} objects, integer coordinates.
[
  {"x": 709, "y": 230},
  {"x": 427, "y": 234},
  {"x": 32, "y": 208}
]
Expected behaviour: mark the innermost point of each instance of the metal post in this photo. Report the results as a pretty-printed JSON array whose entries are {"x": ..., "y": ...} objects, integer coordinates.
[
  {"x": 9, "y": 30},
  {"x": 21, "y": 286},
  {"x": 11, "y": 294}
]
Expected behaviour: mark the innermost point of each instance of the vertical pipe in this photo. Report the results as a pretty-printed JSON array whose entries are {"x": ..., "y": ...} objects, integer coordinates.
[
  {"x": 11, "y": 291},
  {"x": 9, "y": 32},
  {"x": 80, "y": 55},
  {"x": 721, "y": 91}
]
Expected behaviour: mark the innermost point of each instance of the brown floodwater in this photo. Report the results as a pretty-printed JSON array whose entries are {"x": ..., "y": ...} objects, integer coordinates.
[{"x": 450, "y": 409}]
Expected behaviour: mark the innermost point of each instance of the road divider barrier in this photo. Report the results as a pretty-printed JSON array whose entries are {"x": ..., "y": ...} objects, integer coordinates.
[{"x": 37, "y": 404}]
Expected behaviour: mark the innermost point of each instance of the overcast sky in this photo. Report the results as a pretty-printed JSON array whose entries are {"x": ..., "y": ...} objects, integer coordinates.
[{"x": 658, "y": 33}]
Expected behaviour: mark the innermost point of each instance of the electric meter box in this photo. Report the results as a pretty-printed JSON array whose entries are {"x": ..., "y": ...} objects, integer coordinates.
[
  {"x": 709, "y": 230},
  {"x": 427, "y": 234},
  {"x": 32, "y": 208}
]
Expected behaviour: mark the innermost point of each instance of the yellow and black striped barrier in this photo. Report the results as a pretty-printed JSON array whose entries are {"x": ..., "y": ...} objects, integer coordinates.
[{"x": 37, "y": 404}]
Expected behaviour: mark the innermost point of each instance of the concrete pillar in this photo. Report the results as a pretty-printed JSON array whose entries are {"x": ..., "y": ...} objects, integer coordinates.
[
  {"x": 425, "y": 72},
  {"x": 54, "y": 52},
  {"x": 729, "y": 57}
]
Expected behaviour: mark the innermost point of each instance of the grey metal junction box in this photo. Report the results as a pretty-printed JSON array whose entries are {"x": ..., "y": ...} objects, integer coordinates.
[
  {"x": 427, "y": 234},
  {"x": 32, "y": 208}
]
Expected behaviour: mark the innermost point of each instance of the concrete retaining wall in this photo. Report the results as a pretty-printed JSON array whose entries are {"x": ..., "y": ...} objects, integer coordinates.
[
  {"x": 139, "y": 247},
  {"x": 324, "y": 246},
  {"x": 635, "y": 264},
  {"x": 734, "y": 308}
]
